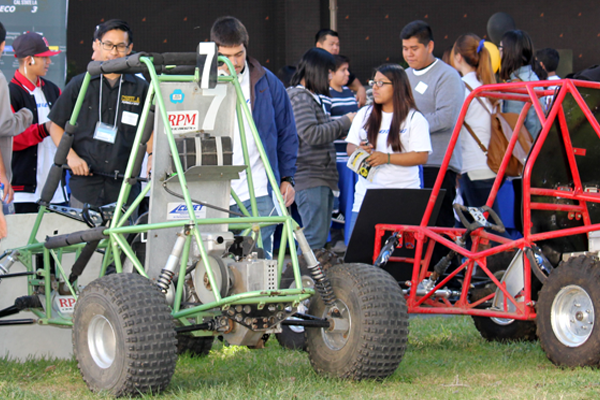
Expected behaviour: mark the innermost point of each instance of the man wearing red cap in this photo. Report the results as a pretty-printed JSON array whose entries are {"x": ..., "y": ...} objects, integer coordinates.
[
  {"x": 10, "y": 125},
  {"x": 33, "y": 149}
]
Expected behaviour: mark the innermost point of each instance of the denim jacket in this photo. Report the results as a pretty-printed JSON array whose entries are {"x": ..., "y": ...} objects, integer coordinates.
[
  {"x": 532, "y": 122},
  {"x": 274, "y": 119}
]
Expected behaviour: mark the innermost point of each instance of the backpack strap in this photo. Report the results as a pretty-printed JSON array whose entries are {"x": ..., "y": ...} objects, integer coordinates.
[
  {"x": 478, "y": 99},
  {"x": 481, "y": 146}
]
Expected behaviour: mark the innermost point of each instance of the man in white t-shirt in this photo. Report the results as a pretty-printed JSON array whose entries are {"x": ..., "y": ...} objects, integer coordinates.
[
  {"x": 272, "y": 113},
  {"x": 33, "y": 148}
]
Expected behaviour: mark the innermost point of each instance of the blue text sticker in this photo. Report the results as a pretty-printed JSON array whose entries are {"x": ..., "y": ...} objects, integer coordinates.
[{"x": 177, "y": 96}]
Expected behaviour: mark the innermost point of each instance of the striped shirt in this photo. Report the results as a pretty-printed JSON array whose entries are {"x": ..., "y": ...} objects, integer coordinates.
[{"x": 341, "y": 103}]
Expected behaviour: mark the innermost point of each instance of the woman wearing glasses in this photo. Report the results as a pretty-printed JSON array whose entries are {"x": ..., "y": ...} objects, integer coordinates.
[
  {"x": 316, "y": 176},
  {"x": 393, "y": 131}
]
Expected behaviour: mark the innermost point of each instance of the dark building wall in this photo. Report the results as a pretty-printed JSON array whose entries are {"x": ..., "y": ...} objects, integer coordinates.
[
  {"x": 275, "y": 28},
  {"x": 282, "y": 30},
  {"x": 370, "y": 29}
]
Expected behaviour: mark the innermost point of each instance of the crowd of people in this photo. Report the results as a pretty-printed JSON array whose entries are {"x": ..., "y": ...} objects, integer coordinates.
[{"x": 405, "y": 128}]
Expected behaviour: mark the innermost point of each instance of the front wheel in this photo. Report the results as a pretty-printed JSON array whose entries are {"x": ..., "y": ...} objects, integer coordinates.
[
  {"x": 370, "y": 338},
  {"x": 566, "y": 311},
  {"x": 124, "y": 336}
]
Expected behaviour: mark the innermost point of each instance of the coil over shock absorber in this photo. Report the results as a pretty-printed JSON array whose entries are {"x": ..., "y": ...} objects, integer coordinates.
[
  {"x": 168, "y": 272},
  {"x": 10, "y": 260},
  {"x": 322, "y": 282}
]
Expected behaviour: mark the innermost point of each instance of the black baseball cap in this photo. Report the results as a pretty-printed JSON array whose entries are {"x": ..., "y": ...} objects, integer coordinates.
[{"x": 32, "y": 44}]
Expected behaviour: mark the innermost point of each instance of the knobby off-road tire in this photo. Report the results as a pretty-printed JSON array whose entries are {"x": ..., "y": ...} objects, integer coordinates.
[
  {"x": 568, "y": 331},
  {"x": 292, "y": 336},
  {"x": 196, "y": 346},
  {"x": 373, "y": 305},
  {"x": 124, "y": 336},
  {"x": 501, "y": 329}
]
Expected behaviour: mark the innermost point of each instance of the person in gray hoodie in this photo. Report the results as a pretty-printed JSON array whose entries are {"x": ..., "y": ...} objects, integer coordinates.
[
  {"x": 316, "y": 175},
  {"x": 10, "y": 125}
]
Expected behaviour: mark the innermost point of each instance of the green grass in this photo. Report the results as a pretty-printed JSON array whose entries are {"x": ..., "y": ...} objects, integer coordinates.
[{"x": 446, "y": 359}]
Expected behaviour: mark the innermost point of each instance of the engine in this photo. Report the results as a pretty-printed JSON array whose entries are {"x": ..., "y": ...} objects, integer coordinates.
[{"x": 236, "y": 269}]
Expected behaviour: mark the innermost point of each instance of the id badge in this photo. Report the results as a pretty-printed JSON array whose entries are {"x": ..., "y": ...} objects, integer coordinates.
[{"x": 105, "y": 133}]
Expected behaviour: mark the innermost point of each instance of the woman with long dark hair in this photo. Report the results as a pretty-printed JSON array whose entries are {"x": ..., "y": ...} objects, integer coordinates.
[
  {"x": 517, "y": 64},
  {"x": 316, "y": 175},
  {"x": 472, "y": 60},
  {"x": 393, "y": 131}
]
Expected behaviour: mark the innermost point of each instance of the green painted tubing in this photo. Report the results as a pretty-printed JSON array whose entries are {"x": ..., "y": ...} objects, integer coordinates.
[
  {"x": 80, "y": 98},
  {"x": 255, "y": 297}
]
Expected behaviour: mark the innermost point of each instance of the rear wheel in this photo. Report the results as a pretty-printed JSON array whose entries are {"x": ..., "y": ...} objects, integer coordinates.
[
  {"x": 370, "y": 339},
  {"x": 292, "y": 336},
  {"x": 501, "y": 329},
  {"x": 124, "y": 336},
  {"x": 567, "y": 326},
  {"x": 196, "y": 346}
]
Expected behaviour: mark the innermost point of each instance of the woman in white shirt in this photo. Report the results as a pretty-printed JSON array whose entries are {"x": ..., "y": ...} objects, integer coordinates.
[
  {"x": 473, "y": 61},
  {"x": 393, "y": 131}
]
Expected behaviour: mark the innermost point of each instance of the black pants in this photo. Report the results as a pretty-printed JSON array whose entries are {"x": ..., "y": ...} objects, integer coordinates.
[{"x": 446, "y": 215}]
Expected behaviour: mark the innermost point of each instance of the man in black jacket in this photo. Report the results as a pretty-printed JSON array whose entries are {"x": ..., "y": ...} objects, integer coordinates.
[{"x": 33, "y": 149}]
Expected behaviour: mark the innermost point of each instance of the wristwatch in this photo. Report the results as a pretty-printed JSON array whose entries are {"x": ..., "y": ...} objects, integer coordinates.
[{"x": 289, "y": 179}]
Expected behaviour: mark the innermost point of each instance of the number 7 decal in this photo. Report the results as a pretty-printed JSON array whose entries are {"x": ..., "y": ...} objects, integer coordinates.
[
  {"x": 219, "y": 94},
  {"x": 208, "y": 49}
]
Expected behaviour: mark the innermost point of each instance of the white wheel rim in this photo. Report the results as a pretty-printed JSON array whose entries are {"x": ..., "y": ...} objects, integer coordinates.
[
  {"x": 502, "y": 321},
  {"x": 337, "y": 340},
  {"x": 102, "y": 341},
  {"x": 572, "y": 316},
  {"x": 307, "y": 282}
]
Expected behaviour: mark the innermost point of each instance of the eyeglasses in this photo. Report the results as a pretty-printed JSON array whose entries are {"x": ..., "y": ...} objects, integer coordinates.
[
  {"x": 378, "y": 83},
  {"x": 121, "y": 48}
]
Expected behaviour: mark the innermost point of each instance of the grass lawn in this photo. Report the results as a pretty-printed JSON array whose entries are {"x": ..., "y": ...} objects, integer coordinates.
[{"x": 446, "y": 359}]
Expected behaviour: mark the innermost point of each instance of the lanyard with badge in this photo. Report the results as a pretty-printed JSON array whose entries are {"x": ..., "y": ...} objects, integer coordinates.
[{"x": 105, "y": 132}]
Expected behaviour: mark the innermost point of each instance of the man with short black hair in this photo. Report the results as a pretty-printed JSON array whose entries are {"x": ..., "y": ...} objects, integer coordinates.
[
  {"x": 10, "y": 125},
  {"x": 329, "y": 40},
  {"x": 107, "y": 122},
  {"x": 274, "y": 119},
  {"x": 33, "y": 149},
  {"x": 439, "y": 94},
  {"x": 341, "y": 100},
  {"x": 549, "y": 59}
]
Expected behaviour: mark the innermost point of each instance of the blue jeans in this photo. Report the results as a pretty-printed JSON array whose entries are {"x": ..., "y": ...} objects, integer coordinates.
[
  {"x": 266, "y": 208},
  {"x": 315, "y": 206},
  {"x": 476, "y": 193}
]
